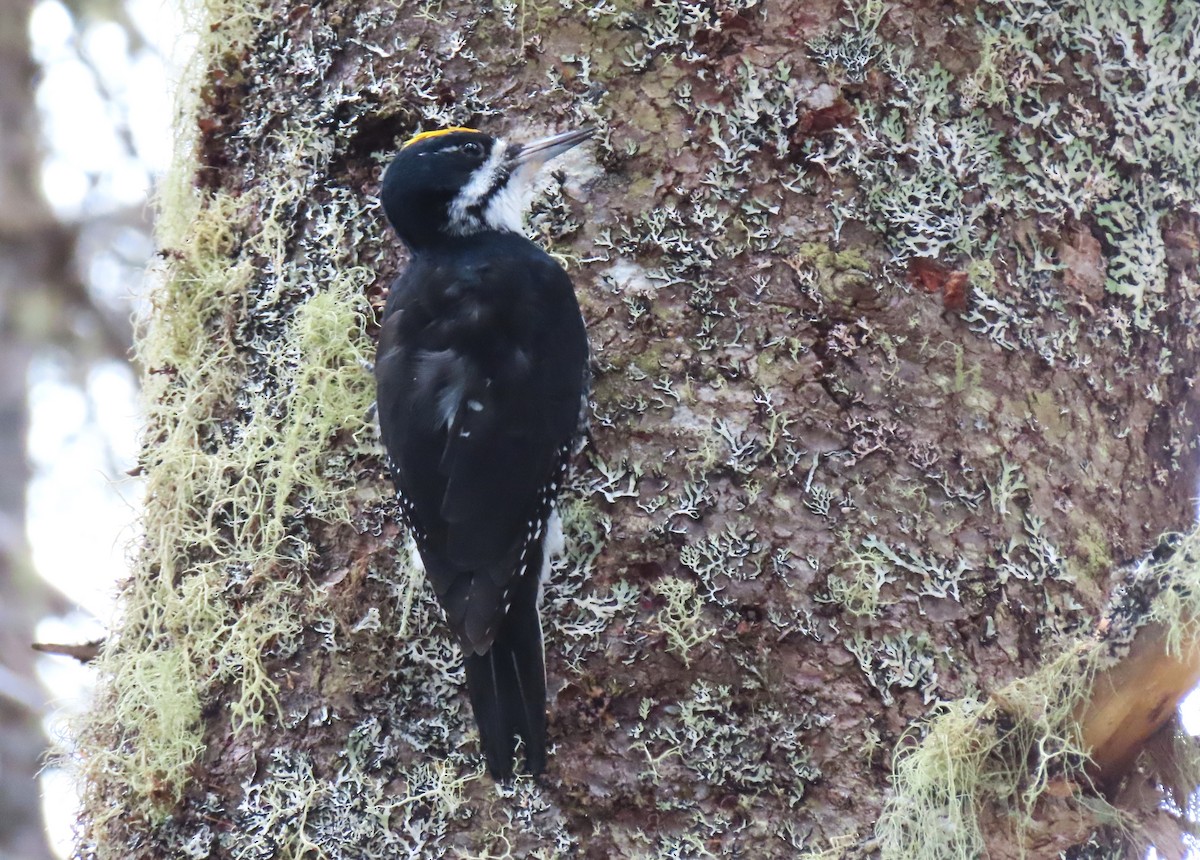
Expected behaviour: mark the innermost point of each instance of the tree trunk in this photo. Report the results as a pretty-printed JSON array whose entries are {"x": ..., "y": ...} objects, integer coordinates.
[{"x": 893, "y": 323}]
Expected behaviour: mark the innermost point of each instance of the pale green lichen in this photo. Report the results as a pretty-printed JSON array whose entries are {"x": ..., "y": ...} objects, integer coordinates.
[
  {"x": 852, "y": 49},
  {"x": 905, "y": 661},
  {"x": 1009, "y": 482},
  {"x": 290, "y": 811},
  {"x": 872, "y": 565},
  {"x": 760, "y": 750},
  {"x": 730, "y": 554},
  {"x": 671, "y": 27},
  {"x": 580, "y": 614},
  {"x": 240, "y": 421},
  {"x": 986, "y": 764},
  {"x": 937, "y": 174},
  {"x": 917, "y": 166},
  {"x": 681, "y": 619},
  {"x": 976, "y": 755}
]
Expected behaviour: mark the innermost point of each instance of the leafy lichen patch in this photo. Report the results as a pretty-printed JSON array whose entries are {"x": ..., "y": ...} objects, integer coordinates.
[
  {"x": 957, "y": 166},
  {"x": 736, "y": 752}
]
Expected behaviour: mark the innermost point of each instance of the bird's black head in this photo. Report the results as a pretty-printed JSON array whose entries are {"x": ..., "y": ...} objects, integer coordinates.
[{"x": 458, "y": 181}]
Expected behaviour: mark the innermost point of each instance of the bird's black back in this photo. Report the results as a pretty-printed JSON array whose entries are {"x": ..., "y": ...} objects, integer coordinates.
[{"x": 481, "y": 375}]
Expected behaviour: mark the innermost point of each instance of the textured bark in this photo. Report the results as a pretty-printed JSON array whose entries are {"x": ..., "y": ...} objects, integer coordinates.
[{"x": 848, "y": 459}]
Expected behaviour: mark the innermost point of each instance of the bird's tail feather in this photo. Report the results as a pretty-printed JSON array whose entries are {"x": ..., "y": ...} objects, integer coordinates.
[{"x": 507, "y": 686}]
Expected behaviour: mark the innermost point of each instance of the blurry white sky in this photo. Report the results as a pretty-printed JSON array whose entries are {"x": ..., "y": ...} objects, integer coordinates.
[
  {"x": 90, "y": 167},
  {"x": 106, "y": 118},
  {"x": 105, "y": 113}
]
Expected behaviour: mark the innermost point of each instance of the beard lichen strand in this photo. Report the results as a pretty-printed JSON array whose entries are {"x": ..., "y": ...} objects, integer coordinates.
[
  {"x": 992, "y": 760},
  {"x": 209, "y": 603}
]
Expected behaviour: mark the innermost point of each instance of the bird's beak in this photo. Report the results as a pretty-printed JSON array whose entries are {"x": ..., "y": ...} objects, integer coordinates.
[{"x": 541, "y": 151}]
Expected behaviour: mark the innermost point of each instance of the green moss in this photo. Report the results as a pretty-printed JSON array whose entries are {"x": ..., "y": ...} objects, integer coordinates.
[
  {"x": 839, "y": 277},
  {"x": 983, "y": 766},
  {"x": 240, "y": 421},
  {"x": 1093, "y": 551},
  {"x": 1046, "y": 411}
]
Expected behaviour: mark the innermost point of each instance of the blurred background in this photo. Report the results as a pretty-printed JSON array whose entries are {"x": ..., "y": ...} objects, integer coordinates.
[
  {"x": 86, "y": 89},
  {"x": 85, "y": 117}
]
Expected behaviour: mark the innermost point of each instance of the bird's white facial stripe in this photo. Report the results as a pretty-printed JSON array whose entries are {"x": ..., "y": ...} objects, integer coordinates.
[
  {"x": 463, "y": 218},
  {"x": 505, "y": 209}
]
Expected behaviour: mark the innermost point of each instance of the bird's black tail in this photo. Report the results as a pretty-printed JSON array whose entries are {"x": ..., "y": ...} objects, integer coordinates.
[{"x": 507, "y": 685}]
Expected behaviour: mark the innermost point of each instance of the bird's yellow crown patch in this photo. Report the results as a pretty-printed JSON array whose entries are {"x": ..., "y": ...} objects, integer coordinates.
[{"x": 436, "y": 133}]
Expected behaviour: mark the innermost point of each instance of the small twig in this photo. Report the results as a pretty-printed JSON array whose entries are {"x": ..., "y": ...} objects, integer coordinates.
[{"x": 84, "y": 653}]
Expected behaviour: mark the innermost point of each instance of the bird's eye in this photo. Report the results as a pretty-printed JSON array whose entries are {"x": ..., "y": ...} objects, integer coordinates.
[{"x": 473, "y": 148}]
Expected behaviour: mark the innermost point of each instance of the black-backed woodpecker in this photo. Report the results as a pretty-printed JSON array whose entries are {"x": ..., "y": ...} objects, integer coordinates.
[{"x": 481, "y": 378}]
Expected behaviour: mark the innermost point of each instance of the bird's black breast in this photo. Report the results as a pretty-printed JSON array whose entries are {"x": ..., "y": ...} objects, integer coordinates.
[{"x": 480, "y": 374}]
